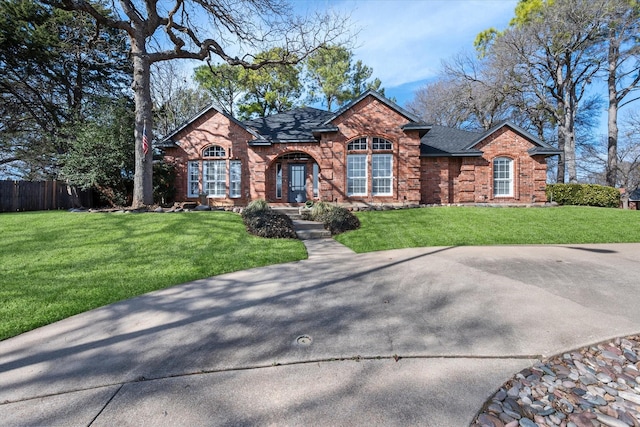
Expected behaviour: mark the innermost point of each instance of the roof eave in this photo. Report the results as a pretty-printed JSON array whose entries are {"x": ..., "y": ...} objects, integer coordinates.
[
  {"x": 474, "y": 153},
  {"x": 538, "y": 151},
  {"x": 324, "y": 129},
  {"x": 422, "y": 128},
  {"x": 259, "y": 143}
]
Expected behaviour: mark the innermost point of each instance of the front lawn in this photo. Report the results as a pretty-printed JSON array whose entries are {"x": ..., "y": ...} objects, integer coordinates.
[
  {"x": 56, "y": 264},
  {"x": 461, "y": 226}
]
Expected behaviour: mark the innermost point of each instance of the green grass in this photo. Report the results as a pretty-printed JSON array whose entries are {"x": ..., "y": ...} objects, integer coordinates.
[
  {"x": 57, "y": 264},
  {"x": 463, "y": 226}
]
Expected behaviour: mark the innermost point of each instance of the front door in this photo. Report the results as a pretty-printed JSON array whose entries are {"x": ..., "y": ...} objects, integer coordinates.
[{"x": 297, "y": 183}]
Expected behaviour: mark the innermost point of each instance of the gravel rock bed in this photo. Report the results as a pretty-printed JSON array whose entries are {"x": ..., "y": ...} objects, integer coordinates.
[{"x": 594, "y": 386}]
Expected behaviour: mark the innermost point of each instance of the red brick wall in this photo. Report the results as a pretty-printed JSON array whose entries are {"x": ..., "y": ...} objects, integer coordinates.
[
  {"x": 369, "y": 118},
  {"x": 212, "y": 128},
  {"x": 372, "y": 118},
  {"x": 471, "y": 180}
]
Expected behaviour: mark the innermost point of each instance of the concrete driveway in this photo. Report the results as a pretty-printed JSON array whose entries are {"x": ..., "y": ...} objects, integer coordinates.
[{"x": 407, "y": 337}]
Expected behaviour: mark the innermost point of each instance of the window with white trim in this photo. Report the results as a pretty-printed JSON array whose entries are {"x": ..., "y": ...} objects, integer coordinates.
[
  {"x": 502, "y": 177},
  {"x": 381, "y": 174},
  {"x": 357, "y": 175},
  {"x": 215, "y": 177},
  {"x": 214, "y": 151},
  {"x": 359, "y": 144},
  {"x": 381, "y": 144},
  {"x": 193, "y": 179},
  {"x": 235, "y": 179},
  {"x": 374, "y": 162}
]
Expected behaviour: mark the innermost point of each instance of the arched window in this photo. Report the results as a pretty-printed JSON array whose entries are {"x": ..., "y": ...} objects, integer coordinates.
[
  {"x": 359, "y": 144},
  {"x": 502, "y": 177},
  {"x": 213, "y": 151},
  {"x": 369, "y": 172},
  {"x": 381, "y": 144}
]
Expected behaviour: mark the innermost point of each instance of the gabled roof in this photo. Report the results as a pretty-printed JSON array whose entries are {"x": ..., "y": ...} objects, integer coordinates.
[
  {"x": 292, "y": 126},
  {"x": 167, "y": 140},
  {"x": 444, "y": 141},
  {"x": 298, "y": 125},
  {"x": 392, "y": 105}
]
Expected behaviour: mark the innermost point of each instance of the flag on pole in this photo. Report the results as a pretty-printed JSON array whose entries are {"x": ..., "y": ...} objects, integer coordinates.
[{"x": 145, "y": 141}]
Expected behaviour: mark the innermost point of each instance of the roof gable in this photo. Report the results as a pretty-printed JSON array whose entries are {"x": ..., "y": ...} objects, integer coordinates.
[
  {"x": 536, "y": 141},
  {"x": 444, "y": 141},
  {"x": 390, "y": 104},
  {"x": 168, "y": 140}
]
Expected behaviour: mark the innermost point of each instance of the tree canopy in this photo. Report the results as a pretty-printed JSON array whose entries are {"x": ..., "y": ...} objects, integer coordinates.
[
  {"x": 231, "y": 30},
  {"x": 55, "y": 67}
]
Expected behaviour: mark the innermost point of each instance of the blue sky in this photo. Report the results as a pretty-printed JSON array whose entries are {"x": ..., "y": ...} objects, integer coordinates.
[{"x": 405, "y": 41}]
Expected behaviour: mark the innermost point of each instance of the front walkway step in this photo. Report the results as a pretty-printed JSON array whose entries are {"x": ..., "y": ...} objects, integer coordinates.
[
  {"x": 310, "y": 230},
  {"x": 291, "y": 212},
  {"x": 306, "y": 230}
]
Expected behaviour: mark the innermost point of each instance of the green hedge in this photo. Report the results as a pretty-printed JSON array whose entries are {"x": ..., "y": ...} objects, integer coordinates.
[{"x": 584, "y": 195}]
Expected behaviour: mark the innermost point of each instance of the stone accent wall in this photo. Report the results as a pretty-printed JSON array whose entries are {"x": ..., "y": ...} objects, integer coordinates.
[{"x": 472, "y": 180}]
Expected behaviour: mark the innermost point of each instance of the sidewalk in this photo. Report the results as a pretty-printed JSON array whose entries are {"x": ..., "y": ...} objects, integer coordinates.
[{"x": 417, "y": 336}]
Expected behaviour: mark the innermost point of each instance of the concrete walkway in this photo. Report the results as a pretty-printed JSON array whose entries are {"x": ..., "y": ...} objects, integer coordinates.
[{"x": 408, "y": 337}]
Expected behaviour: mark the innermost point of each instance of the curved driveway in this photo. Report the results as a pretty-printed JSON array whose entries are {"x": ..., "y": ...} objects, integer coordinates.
[{"x": 407, "y": 337}]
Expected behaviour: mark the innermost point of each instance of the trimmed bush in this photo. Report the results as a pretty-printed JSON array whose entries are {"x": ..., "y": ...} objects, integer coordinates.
[
  {"x": 262, "y": 221},
  {"x": 584, "y": 195},
  {"x": 270, "y": 224},
  {"x": 338, "y": 220}
]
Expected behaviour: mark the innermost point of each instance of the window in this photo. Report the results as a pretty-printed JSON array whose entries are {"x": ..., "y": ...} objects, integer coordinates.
[
  {"x": 278, "y": 180},
  {"x": 381, "y": 174},
  {"x": 215, "y": 175},
  {"x": 213, "y": 151},
  {"x": 357, "y": 145},
  {"x": 381, "y": 144},
  {"x": 502, "y": 177},
  {"x": 193, "y": 179},
  {"x": 356, "y": 174},
  {"x": 235, "y": 179}
]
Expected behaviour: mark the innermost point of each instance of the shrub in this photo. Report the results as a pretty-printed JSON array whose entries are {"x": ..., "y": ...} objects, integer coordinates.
[
  {"x": 338, "y": 220},
  {"x": 262, "y": 221},
  {"x": 320, "y": 210},
  {"x": 255, "y": 207},
  {"x": 164, "y": 178},
  {"x": 583, "y": 195},
  {"x": 271, "y": 224}
]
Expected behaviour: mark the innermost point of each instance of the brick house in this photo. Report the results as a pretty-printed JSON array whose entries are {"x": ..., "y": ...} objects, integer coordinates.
[{"x": 369, "y": 152}]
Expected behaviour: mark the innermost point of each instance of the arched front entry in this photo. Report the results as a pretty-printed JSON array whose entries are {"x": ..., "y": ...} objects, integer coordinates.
[{"x": 293, "y": 178}]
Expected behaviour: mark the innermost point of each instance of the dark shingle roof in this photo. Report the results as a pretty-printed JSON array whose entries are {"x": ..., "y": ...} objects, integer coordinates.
[
  {"x": 445, "y": 141},
  {"x": 294, "y": 125}
]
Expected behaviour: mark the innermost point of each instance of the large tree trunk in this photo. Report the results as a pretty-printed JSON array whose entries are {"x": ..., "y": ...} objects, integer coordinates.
[
  {"x": 143, "y": 178},
  {"x": 612, "y": 140}
]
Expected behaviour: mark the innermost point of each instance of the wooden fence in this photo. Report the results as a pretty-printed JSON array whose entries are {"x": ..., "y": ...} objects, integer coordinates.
[{"x": 18, "y": 196}]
